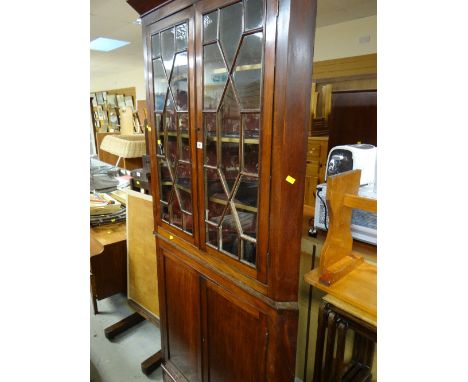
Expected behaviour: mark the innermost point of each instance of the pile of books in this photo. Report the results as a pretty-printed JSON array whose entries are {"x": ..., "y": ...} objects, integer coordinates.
[{"x": 105, "y": 209}]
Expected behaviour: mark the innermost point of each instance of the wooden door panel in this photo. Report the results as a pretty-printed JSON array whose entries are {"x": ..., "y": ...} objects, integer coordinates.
[
  {"x": 236, "y": 337},
  {"x": 183, "y": 318}
]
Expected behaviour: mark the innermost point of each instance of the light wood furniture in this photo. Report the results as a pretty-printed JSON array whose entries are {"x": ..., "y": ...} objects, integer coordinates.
[
  {"x": 317, "y": 152},
  {"x": 352, "y": 285},
  {"x": 343, "y": 272},
  {"x": 227, "y": 180},
  {"x": 109, "y": 266},
  {"x": 142, "y": 272},
  {"x": 141, "y": 252}
]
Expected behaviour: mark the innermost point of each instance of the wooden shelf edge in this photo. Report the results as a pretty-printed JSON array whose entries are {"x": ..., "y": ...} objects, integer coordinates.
[{"x": 358, "y": 288}]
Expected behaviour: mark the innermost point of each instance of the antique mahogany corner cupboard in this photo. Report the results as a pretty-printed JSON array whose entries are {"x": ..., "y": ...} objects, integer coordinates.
[{"x": 228, "y": 91}]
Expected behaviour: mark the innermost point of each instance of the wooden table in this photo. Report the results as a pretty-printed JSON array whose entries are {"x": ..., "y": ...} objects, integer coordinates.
[{"x": 109, "y": 263}]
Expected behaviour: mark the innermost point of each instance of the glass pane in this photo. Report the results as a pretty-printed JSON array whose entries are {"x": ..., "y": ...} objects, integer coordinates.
[
  {"x": 230, "y": 30},
  {"x": 184, "y": 178},
  {"x": 215, "y": 195},
  {"x": 167, "y": 49},
  {"x": 230, "y": 132},
  {"x": 188, "y": 223},
  {"x": 181, "y": 35},
  {"x": 183, "y": 123},
  {"x": 185, "y": 149},
  {"x": 169, "y": 114},
  {"x": 185, "y": 200},
  {"x": 212, "y": 235},
  {"x": 230, "y": 114},
  {"x": 160, "y": 85},
  {"x": 214, "y": 77},
  {"x": 248, "y": 221},
  {"x": 159, "y": 134},
  {"x": 155, "y": 46},
  {"x": 210, "y": 26},
  {"x": 251, "y": 127},
  {"x": 179, "y": 83},
  {"x": 229, "y": 234},
  {"x": 248, "y": 71},
  {"x": 247, "y": 194},
  {"x": 211, "y": 154},
  {"x": 172, "y": 149},
  {"x": 249, "y": 252},
  {"x": 253, "y": 14},
  {"x": 166, "y": 182},
  {"x": 176, "y": 217},
  {"x": 164, "y": 212},
  {"x": 251, "y": 158}
]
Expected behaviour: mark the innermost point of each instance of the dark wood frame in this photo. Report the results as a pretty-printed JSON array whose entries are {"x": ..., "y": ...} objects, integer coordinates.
[
  {"x": 272, "y": 289},
  {"x": 185, "y": 15}
]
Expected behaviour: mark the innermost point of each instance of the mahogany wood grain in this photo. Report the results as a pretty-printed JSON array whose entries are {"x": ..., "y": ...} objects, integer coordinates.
[
  {"x": 222, "y": 320},
  {"x": 183, "y": 318},
  {"x": 353, "y": 117},
  {"x": 236, "y": 338},
  {"x": 109, "y": 268},
  {"x": 294, "y": 54}
]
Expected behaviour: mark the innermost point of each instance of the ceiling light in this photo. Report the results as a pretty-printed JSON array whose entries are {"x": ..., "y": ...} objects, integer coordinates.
[{"x": 104, "y": 44}]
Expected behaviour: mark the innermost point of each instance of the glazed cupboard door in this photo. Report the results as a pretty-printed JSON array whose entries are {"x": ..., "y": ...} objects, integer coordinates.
[
  {"x": 234, "y": 97},
  {"x": 170, "y": 64}
]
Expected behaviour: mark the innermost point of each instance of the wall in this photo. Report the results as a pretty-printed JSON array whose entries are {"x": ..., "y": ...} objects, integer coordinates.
[
  {"x": 342, "y": 40},
  {"x": 332, "y": 41},
  {"x": 133, "y": 78}
]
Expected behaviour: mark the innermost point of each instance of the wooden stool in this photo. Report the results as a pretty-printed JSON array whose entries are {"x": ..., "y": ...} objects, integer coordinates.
[{"x": 334, "y": 320}]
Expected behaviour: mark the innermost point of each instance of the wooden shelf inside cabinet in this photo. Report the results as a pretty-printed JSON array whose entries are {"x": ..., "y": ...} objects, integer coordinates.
[
  {"x": 252, "y": 141},
  {"x": 237, "y": 204},
  {"x": 342, "y": 271}
]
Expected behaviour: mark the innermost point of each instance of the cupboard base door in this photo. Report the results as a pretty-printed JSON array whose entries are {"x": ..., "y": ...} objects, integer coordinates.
[
  {"x": 182, "y": 318},
  {"x": 235, "y": 338}
]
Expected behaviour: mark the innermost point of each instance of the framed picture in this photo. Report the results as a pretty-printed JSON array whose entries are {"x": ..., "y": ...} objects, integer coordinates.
[
  {"x": 99, "y": 98},
  {"x": 111, "y": 100},
  {"x": 129, "y": 102},
  {"x": 113, "y": 119},
  {"x": 120, "y": 100}
]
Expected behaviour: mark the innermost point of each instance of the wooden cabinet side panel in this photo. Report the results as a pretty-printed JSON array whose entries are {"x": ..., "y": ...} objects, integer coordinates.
[
  {"x": 182, "y": 318},
  {"x": 293, "y": 76},
  {"x": 282, "y": 347},
  {"x": 236, "y": 336}
]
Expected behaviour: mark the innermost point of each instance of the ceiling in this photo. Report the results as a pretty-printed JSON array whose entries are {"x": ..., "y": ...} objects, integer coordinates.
[{"x": 116, "y": 19}]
